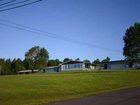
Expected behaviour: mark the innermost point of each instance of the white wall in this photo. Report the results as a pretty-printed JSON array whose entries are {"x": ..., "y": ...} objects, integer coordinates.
[
  {"x": 116, "y": 66},
  {"x": 92, "y": 67},
  {"x": 98, "y": 67},
  {"x": 77, "y": 66}
]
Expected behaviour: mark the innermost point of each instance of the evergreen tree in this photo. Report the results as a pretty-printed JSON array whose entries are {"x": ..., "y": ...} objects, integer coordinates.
[{"x": 7, "y": 69}]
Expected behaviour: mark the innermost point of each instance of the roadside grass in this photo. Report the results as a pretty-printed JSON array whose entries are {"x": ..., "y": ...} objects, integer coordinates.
[{"x": 36, "y": 89}]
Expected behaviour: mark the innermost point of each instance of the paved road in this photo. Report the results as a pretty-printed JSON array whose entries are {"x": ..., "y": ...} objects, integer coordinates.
[{"x": 129, "y": 96}]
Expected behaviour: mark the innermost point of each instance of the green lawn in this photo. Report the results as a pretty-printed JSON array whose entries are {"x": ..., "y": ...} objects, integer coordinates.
[{"x": 43, "y": 88}]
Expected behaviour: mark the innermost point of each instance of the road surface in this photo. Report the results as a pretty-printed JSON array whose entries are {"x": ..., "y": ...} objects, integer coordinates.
[{"x": 129, "y": 96}]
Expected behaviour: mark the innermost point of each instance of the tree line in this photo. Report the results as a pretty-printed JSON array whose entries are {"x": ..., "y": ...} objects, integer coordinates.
[
  {"x": 10, "y": 67},
  {"x": 35, "y": 58}
]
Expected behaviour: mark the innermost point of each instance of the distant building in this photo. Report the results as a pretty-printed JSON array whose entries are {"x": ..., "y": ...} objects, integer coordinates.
[
  {"x": 79, "y": 65},
  {"x": 74, "y": 65},
  {"x": 67, "y": 66},
  {"x": 50, "y": 69},
  {"x": 120, "y": 64},
  {"x": 28, "y": 71}
]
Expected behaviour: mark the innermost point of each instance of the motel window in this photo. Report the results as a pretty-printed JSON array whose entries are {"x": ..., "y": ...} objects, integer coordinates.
[
  {"x": 66, "y": 66},
  {"x": 72, "y": 66},
  {"x": 78, "y": 65}
]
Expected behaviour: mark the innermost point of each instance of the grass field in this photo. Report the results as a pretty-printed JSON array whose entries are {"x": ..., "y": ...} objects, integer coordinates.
[{"x": 44, "y": 88}]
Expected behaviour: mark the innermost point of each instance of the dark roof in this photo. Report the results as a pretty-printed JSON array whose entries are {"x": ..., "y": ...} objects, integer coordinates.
[
  {"x": 71, "y": 62},
  {"x": 122, "y": 61},
  {"x": 50, "y": 67},
  {"x": 119, "y": 61}
]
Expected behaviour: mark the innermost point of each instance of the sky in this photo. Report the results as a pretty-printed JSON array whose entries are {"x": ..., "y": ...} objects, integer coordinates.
[{"x": 98, "y": 26}]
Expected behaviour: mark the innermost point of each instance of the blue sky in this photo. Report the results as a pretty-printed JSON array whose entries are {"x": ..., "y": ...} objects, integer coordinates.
[{"x": 97, "y": 22}]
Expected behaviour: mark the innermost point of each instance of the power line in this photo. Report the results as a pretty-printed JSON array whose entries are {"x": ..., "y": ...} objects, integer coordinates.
[
  {"x": 36, "y": 30},
  {"x": 12, "y": 4},
  {"x": 56, "y": 36},
  {"x": 52, "y": 35},
  {"x": 7, "y": 2},
  {"x": 19, "y": 28},
  {"x": 20, "y": 6}
]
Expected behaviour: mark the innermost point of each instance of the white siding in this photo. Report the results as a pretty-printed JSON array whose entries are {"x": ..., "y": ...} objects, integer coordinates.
[
  {"x": 75, "y": 66},
  {"x": 117, "y": 66},
  {"x": 92, "y": 67},
  {"x": 98, "y": 67}
]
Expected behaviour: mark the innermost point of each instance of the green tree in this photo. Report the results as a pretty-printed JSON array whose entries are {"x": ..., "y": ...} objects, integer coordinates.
[
  {"x": 131, "y": 39},
  {"x": 67, "y": 59},
  {"x": 107, "y": 59},
  {"x": 97, "y": 61},
  {"x": 10, "y": 66},
  {"x": 77, "y": 59},
  {"x": 86, "y": 61},
  {"x": 7, "y": 69},
  {"x": 17, "y": 65},
  {"x": 2, "y": 62},
  {"x": 36, "y": 58},
  {"x": 28, "y": 64},
  {"x": 58, "y": 61},
  {"x": 55, "y": 62},
  {"x": 41, "y": 59}
]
